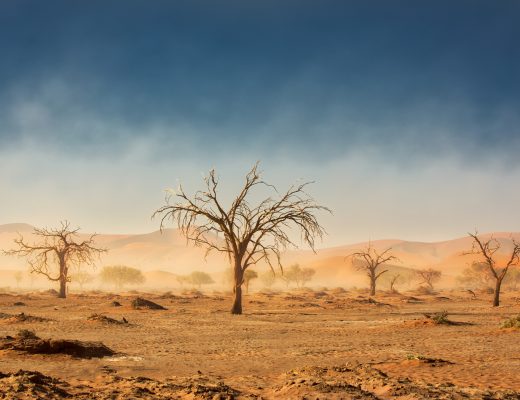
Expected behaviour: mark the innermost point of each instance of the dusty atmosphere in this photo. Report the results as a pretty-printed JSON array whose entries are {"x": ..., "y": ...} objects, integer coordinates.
[
  {"x": 261, "y": 199},
  {"x": 327, "y": 344}
]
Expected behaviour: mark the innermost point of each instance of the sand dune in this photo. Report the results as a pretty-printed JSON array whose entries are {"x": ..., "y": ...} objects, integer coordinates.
[{"x": 168, "y": 251}]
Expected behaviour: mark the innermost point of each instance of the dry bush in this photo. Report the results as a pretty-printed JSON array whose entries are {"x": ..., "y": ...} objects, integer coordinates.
[{"x": 513, "y": 322}]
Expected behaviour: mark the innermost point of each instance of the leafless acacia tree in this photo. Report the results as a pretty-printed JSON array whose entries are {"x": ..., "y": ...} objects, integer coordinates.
[
  {"x": 251, "y": 232},
  {"x": 369, "y": 261},
  {"x": 429, "y": 276},
  {"x": 488, "y": 251},
  {"x": 56, "y": 247}
]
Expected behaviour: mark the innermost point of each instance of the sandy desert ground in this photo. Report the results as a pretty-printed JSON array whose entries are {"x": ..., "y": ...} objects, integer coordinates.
[{"x": 305, "y": 344}]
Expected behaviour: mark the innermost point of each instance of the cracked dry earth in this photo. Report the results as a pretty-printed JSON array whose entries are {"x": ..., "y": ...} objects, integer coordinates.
[{"x": 298, "y": 345}]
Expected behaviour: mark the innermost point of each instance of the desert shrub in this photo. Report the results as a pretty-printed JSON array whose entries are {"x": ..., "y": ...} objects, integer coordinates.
[
  {"x": 513, "y": 322},
  {"x": 441, "y": 317},
  {"x": 26, "y": 334}
]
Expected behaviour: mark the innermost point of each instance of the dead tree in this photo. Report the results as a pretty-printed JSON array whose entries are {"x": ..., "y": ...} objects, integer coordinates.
[
  {"x": 393, "y": 282},
  {"x": 429, "y": 276},
  {"x": 250, "y": 233},
  {"x": 57, "y": 247},
  {"x": 488, "y": 251},
  {"x": 369, "y": 261}
]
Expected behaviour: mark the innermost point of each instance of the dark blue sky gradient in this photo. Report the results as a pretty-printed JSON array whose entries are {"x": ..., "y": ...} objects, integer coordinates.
[{"x": 400, "y": 75}]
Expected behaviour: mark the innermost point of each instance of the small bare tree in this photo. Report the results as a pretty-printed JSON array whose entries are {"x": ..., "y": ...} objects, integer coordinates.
[
  {"x": 251, "y": 232},
  {"x": 56, "y": 247},
  {"x": 18, "y": 276},
  {"x": 488, "y": 251},
  {"x": 369, "y": 261},
  {"x": 428, "y": 276},
  {"x": 394, "y": 280}
]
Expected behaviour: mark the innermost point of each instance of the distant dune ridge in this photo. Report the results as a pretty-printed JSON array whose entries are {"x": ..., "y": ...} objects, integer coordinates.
[{"x": 164, "y": 255}]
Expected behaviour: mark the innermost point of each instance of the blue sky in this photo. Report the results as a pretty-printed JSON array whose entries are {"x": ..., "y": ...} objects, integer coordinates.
[{"x": 405, "y": 113}]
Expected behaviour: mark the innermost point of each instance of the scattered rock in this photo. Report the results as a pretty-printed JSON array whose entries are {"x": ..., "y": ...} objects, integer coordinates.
[
  {"x": 28, "y": 342},
  {"x": 139, "y": 303},
  {"x": 51, "y": 292},
  {"x": 21, "y": 317},
  {"x": 364, "y": 382},
  {"x": 19, "y": 304},
  {"x": 115, "y": 304},
  {"x": 31, "y": 385}
]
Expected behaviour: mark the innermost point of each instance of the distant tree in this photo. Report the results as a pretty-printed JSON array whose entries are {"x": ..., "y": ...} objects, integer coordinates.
[
  {"x": 268, "y": 278},
  {"x": 199, "y": 278},
  {"x": 81, "y": 278},
  {"x": 477, "y": 275},
  {"x": 512, "y": 279},
  {"x": 121, "y": 275},
  {"x": 370, "y": 262},
  {"x": 59, "y": 247},
  {"x": 394, "y": 281},
  {"x": 429, "y": 276},
  {"x": 183, "y": 279},
  {"x": 298, "y": 275},
  {"x": 249, "y": 275},
  {"x": 251, "y": 232},
  {"x": 488, "y": 252},
  {"x": 18, "y": 277}
]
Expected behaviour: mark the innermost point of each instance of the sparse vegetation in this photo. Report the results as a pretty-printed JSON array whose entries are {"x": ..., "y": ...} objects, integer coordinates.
[
  {"x": 121, "y": 275},
  {"x": 57, "y": 247},
  {"x": 440, "y": 318},
  {"x": 251, "y": 233},
  {"x": 513, "y": 322}
]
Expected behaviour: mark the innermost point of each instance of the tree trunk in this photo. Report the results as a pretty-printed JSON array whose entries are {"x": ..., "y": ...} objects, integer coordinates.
[
  {"x": 237, "y": 304},
  {"x": 63, "y": 288},
  {"x": 239, "y": 279},
  {"x": 63, "y": 278},
  {"x": 496, "y": 299},
  {"x": 372, "y": 286}
]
